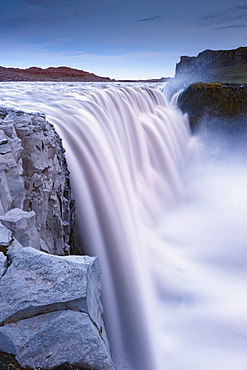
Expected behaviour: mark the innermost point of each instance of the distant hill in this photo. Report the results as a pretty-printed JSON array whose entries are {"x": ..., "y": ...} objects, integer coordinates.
[
  {"x": 48, "y": 74},
  {"x": 210, "y": 66}
]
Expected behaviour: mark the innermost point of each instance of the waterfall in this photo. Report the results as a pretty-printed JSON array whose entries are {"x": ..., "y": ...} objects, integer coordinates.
[{"x": 153, "y": 204}]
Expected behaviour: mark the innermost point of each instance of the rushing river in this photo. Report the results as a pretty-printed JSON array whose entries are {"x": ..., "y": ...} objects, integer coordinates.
[{"x": 165, "y": 211}]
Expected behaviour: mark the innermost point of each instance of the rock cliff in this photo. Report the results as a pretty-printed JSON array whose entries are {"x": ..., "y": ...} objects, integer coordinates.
[
  {"x": 50, "y": 308},
  {"x": 216, "y": 101},
  {"x": 214, "y": 65},
  {"x": 34, "y": 182}
]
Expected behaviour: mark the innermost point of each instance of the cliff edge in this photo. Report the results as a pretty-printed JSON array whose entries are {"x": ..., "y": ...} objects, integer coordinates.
[
  {"x": 216, "y": 103},
  {"x": 214, "y": 65},
  {"x": 50, "y": 307}
]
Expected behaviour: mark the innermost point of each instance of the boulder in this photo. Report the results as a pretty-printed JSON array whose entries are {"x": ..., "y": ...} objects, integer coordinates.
[
  {"x": 50, "y": 310},
  {"x": 5, "y": 236},
  {"x": 22, "y": 225},
  {"x": 55, "y": 338}
]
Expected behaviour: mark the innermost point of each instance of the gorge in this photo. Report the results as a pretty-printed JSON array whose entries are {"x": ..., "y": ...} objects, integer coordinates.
[{"x": 165, "y": 213}]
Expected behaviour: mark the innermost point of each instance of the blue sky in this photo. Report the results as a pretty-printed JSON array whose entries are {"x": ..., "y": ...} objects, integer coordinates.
[{"x": 130, "y": 39}]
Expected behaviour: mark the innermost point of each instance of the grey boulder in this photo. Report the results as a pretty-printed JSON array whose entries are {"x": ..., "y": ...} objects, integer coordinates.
[
  {"x": 55, "y": 338},
  {"x": 22, "y": 225},
  {"x": 52, "y": 301},
  {"x": 5, "y": 236}
]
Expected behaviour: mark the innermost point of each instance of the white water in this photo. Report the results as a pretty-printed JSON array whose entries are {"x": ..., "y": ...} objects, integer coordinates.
[{"x": 166, "y": 214}]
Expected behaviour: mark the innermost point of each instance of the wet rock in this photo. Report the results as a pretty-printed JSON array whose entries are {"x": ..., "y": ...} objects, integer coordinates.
[
  {"x": 50, "y": 310},
  {"x": 215, "y": 101}
]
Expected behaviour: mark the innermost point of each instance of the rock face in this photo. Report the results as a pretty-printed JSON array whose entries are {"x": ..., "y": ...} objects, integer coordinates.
[
  {"x": 216, "y": 101},
  {"x": 34, "y": 178},
  {"x": 50, "y": 310},
  {"x": 210, "y": 65}
]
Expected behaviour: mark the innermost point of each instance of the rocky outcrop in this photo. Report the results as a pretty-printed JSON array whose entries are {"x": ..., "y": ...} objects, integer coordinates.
[
  {"x": 34, "y": 178},
  {"x": 215, "y": 101},
  {"x": 50, "y": 310},
  {"x": 214, "y": 65}
]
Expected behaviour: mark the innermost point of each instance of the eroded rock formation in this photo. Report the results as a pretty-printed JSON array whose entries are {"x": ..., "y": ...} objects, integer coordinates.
[{"x": 34, "y": 178}]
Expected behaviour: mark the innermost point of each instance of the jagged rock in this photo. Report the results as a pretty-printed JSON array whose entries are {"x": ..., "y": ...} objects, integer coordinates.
[
  {"x": 3, "y": 264},
  {"x": 34, "y": 177},
  {"x": 5, "y": 236},
  {"x": 22, "y": 225},
  {"x": 60, "y": 298}
]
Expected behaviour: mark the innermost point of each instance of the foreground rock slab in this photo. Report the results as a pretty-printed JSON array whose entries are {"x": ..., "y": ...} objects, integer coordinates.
[
  {"x": 66, "y": 336},
  {"x": 50, "y": 310}
]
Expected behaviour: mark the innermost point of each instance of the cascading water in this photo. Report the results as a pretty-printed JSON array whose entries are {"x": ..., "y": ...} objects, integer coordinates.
[{"x": 153, "y": 204}]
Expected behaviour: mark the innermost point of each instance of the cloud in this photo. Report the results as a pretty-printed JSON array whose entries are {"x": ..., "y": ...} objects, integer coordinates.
[
  {"x": 151, "y": 19},
  {"x": 27, "y": 12},
  {"x": 234, "y": 13},
  {"x": 70, "y": 4},
  {"x": 239, "y": 26}
]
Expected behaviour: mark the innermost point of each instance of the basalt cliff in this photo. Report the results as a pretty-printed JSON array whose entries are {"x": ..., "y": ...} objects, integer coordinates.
[
  {"x": 215, "y": 88},
  {"x": 214, "y": 65},
  {"x": 50, "y": 308}
]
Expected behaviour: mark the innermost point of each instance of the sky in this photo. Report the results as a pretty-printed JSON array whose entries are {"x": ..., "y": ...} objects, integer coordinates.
[{"x": 127, "y": 39}]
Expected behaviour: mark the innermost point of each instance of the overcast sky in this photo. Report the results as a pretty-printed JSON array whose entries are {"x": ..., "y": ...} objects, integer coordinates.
[{"x": 118, "y": 39}]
